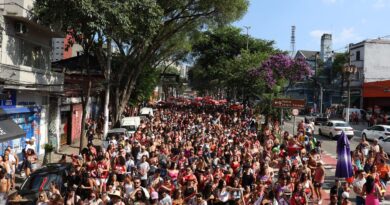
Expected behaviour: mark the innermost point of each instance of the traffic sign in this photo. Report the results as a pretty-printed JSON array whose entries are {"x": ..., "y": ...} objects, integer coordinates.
[
  {"x": 288, "y": 103},
  {"x": 295, "y": 112}
]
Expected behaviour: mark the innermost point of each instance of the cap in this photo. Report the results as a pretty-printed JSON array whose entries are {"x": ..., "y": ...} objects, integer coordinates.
[
  {"x": 154, "y": 195},
  {"x": 115, "y": 193},
  {"x": 345, "y": 195}
]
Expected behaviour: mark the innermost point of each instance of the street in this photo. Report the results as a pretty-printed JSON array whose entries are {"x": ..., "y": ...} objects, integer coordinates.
[{"x": 329, "y": 156}]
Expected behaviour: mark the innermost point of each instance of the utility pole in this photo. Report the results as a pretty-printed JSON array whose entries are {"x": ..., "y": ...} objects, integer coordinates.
[{"x": 247, "y": 36}]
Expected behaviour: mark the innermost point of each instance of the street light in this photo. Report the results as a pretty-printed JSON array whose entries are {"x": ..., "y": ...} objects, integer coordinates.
[
  {"x": 349, "y": 70},
  {"x": 317, "y": 55},
  {"x": 247, "y": 36}
]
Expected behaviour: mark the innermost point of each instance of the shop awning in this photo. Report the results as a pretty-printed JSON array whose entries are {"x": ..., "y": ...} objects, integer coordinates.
[{"x": 9, "y": 130}]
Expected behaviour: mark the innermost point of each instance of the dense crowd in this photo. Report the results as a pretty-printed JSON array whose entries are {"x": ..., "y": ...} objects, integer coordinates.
[{"x": 213, "y": 156}]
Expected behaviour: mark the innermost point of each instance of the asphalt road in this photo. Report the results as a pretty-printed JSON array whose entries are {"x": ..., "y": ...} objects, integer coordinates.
[{"x": 329, "y": 157}]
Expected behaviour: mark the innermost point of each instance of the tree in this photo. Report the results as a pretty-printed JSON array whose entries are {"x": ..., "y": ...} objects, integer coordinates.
[
  {"x": 221, "y": 59},
  {"x": 337, "y": 67},
  {"x": 145, "y": 32},
  {"x": 276, "y": 73}
]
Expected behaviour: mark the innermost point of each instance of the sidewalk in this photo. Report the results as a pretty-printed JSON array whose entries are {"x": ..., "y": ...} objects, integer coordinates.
[{"x": 68, "y": 150}]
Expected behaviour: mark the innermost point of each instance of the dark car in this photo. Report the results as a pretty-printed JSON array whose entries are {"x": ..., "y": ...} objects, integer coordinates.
[
  {"x": 41, "y": 179},
  {"x": 317, "y": 118}
]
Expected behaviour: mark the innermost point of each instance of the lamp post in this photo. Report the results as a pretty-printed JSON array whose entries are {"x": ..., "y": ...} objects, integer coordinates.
[
  {"x": 247, "y": 36},
  {"x": 316, "y": 80},
  {"x": 348, "y": 69}
]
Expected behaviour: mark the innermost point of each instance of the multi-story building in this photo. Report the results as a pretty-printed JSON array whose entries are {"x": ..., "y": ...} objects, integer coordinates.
[
  {"x": 31, "y": 87},
  {"x": 321, "y": 65},
  {"x": 370, "y": 85},
  {"x": 62, "y": 49}
]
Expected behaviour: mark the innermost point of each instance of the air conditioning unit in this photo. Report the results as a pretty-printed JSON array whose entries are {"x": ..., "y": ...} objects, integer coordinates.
[{"x": 20, "y": 28}]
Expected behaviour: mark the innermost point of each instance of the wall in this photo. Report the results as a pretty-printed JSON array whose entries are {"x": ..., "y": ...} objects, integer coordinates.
[
  {"x": 15, "y": 9},
  {"x": 377, "y": 62},
  {"x": 77, "y": 110}
]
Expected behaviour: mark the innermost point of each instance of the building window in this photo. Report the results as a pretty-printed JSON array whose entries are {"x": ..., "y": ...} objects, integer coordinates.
[{"x": 358, "y": 55}]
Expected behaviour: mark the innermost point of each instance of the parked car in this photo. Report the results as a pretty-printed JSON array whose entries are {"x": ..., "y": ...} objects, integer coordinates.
[
  {"x": 317, "y": 118},
  {"x": 40, "y": 180},
  {"x": 334, "y": 128},
  {"x": 376, "y": 132},
  {"x": 385, "y": 144}
]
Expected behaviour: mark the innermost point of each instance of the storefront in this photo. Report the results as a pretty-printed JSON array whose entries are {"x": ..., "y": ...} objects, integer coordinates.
[
  {"x": 25, "y": 109},
  {"x": 65, "y": 128},
  {"x": 377, "y": 94},
  {"x": 9, "y": 131},
  {"x": 77, "y": 111},
  {"x": 28, "y": 119}
]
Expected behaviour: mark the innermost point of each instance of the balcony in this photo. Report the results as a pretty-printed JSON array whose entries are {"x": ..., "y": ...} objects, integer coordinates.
[
  {"x": 20, "y": 8},
  {"x": 28, "y": 78}
]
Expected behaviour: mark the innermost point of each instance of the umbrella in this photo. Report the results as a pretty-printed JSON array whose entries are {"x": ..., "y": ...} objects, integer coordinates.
[{"x": 344, "y": 164}]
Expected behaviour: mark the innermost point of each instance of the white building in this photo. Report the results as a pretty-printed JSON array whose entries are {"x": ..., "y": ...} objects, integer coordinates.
[
  {"x": 25, "y": 73},
  {"x": 370, "y": 84}
]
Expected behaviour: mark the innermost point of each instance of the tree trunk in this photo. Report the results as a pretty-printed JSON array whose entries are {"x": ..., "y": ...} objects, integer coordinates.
[
  {"x": 107, "y": 97},
  {"x": 83, "y": 137}
]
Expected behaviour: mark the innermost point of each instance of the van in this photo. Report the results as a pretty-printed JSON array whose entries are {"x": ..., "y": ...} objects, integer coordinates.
[
  {"x": 130, "y": 124},
  {"x": 113, "y": 134},
  {"x": 361, "y": 113},
  {"x": 146, "y": 111}
]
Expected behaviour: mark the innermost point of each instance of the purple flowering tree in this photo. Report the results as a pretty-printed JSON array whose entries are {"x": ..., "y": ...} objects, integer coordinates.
[{"x": 281, "y": 68}]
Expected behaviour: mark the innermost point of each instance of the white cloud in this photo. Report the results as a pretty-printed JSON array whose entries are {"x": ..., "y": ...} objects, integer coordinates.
[
  {"x": 347, "y": 35},
  {"x": 341, "y": 37},
  {"x": 318, "y": 33}
]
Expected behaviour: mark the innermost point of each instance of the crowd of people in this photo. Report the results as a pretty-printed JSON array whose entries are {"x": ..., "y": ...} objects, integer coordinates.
[{"x": 201, "y": 156}]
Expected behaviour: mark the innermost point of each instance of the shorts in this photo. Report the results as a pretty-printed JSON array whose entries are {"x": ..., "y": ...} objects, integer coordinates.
[
  {"x": 318, "y": 184},
  {"x": 100, "y": 181}
]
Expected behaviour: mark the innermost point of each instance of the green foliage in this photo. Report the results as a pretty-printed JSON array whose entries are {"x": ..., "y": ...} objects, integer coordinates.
[
  {"x": 145, "y": 85},
  {"x": 48, "y": 148},
  {"x": 222, "y": 61},
  {"x": 146, "y": 33},
  {"x": 339, "y": 61}
]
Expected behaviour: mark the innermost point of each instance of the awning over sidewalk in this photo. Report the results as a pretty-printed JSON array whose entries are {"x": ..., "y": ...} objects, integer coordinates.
[{"x": 9, "y": 130}]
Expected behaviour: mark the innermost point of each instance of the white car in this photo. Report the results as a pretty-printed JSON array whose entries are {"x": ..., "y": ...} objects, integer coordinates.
[
  {"x": 385, "y": 144},
  {"x": 334, "y": 128},
  {"x": 376, "y": 132}
]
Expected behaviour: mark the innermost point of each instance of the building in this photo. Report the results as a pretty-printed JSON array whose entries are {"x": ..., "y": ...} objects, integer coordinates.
[
  {"x": 311, "y": 88},
  {"x": 26, "y": 76},
  {"x": 62, "y": 49},
  {"x": 370, "y": 85}
]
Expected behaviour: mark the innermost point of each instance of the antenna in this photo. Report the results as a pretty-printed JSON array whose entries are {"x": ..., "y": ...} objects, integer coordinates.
[{"x": 292, "y": 41}]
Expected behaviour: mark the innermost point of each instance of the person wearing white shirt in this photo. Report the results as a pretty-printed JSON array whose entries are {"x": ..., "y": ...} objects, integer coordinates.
[{"x": 358, "y": 187}]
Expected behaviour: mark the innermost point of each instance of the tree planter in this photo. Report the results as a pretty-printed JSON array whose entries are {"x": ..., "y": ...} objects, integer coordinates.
[{"x": 48, "y": 154}]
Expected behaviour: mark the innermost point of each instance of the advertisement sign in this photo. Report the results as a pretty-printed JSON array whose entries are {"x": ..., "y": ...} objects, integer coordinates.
[{"x": 9, "y": 98}]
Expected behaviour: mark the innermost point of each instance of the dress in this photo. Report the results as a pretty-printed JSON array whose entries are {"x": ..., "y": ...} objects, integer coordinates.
[{"x": 371, "y": 198}]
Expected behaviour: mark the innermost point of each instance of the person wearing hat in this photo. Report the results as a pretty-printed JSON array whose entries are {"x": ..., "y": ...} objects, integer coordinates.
[
  {"x": 154, "y": 197},
  {"x": 116, "y": 198}
]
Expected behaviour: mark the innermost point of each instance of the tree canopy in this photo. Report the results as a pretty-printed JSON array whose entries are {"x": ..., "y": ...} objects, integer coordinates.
[
  {"x": 222, "y": 60},
  {"x": 146, "y": 33}
]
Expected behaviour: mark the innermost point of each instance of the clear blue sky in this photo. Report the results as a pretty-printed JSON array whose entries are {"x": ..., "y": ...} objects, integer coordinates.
[{"x": 349, "y": 21}]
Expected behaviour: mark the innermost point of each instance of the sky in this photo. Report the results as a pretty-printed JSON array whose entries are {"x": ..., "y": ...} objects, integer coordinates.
[{"x": 349, "y": 21}]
